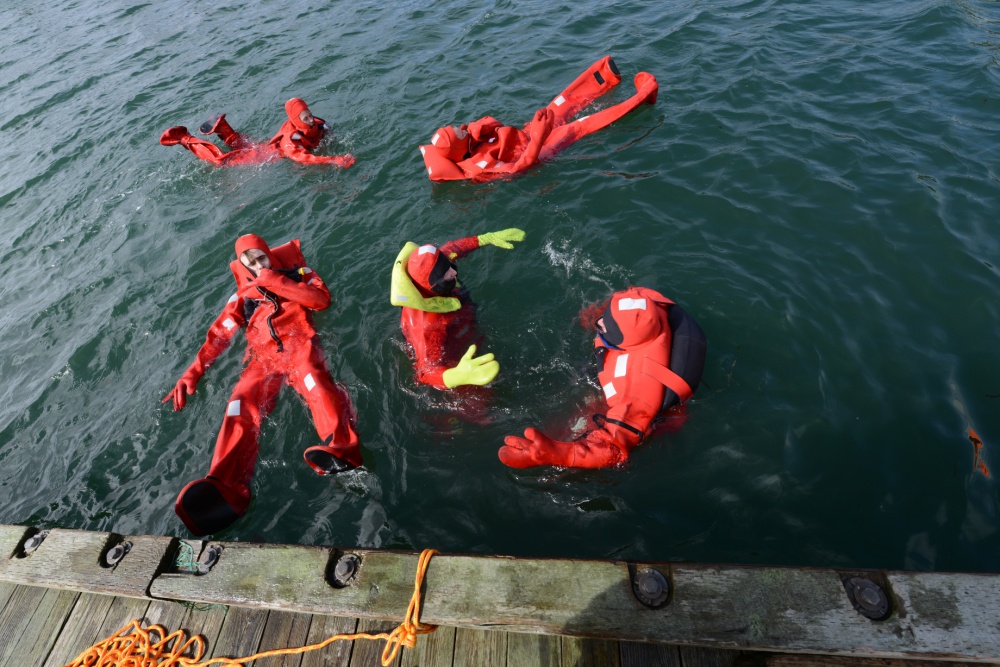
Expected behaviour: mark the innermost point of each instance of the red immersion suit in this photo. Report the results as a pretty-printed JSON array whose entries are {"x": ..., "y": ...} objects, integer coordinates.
[
  {"x": 487, "y": 149},
  {"x": 649, "y": 360},
  {"x": 295, "y": 140},
  {"x": 282, "y": 348},
  {"x": 439, "y": 339}
]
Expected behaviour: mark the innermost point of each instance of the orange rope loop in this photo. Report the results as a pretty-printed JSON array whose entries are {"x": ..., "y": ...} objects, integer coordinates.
[{"x": 134, "y": 646}]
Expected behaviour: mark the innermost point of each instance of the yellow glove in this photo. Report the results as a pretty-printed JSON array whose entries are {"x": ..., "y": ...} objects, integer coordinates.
[
  {"x": 480, "y": 370},
  {"x": 501, "y": 239}
]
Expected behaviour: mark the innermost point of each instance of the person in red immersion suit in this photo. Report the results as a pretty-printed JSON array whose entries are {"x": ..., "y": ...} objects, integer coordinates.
[
  {"x": 275, "y": 294},
  {"x": 297, "y": 138},
  {"x": 438, "y": 317},
  {"x": 487, "y": 149},
  {"x": 650, "y": 356}
]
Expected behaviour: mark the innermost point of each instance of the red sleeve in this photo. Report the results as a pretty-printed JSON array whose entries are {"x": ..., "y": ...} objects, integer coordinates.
[
  {"x": 221, "y": 333},
  {"x": 427, "y": 334},
  {"x": 294, "y": 151},
  {"x": 459, "y": 248},
  {"x": 310, "y": 293}
]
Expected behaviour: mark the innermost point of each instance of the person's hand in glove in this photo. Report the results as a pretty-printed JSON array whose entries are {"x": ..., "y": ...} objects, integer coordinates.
[
  {"x": 184, "y": 387},
  {"x": 502, "y": 239},
  {"x": 479, "y": 370}
]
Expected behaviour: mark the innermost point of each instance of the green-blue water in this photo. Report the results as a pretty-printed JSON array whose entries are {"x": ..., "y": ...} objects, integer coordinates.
[{"x": 817, "y": 185}]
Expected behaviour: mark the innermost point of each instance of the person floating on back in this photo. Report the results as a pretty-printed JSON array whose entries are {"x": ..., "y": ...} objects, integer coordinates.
[
  {"x": 438, "y": 317},
  {"x": 298, "y": 137},
  {"x": 275, "y": 294},
  {"x": 650, "y": 356},
  {"x": 487, "y": 149}
]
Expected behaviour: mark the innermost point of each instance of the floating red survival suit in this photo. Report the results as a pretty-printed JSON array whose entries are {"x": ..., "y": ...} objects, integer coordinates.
[
  {"x": 282, "y": 348},
  {"x": 650, "y": 358},
  {"x": 487, "y": 149},
  {"x": 295, "y": 140},
  {"x": 439, "y": 339}
]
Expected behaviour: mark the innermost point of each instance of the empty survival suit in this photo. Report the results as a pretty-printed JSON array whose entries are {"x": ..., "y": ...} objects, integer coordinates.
[
  {"x": 438, "y": 317},
  {"x": 649, "y": 358},
  {"x": 282, "y": 348},
  {"x": 295, "y": 140},
  {"x": 487, "y": 149}
]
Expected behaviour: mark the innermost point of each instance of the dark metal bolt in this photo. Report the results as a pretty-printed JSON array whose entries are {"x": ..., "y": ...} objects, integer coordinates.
[
  {"x": 116, "y": 553},
  {"x": 868, "y": 598},
  {"x": 209, "y": 559},
  {"x": 345, "y": 569},
  {"x": 651, "y": 588}
]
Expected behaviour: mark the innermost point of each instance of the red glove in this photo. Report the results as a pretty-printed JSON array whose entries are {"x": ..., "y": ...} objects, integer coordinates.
[
  {"x": 596, "y": 449},
  {"x": 185, "y": 387}
]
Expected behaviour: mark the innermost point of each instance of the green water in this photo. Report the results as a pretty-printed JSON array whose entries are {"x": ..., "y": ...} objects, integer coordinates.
[{"x": 816, "y": 184}]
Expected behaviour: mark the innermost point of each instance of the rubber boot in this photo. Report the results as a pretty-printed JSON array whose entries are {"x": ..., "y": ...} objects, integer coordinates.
[{"x": 208, "y": 505}]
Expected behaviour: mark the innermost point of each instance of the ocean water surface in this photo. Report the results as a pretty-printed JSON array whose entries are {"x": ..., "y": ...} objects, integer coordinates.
[{"x": 817, "y": 185}]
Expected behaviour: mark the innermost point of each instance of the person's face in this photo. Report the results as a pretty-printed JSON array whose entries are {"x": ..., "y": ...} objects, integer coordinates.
[
  {"x": 600, "y": 326},
  {"x": 255, "y": 260},
  {"x": 307, "y": 117}
]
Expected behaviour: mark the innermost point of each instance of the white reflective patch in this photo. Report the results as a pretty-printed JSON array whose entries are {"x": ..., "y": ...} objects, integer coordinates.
[
  {"x": 310, "y": 383},
  {"x": 423, "y": 151},
  {"x": 402, "y": 297},
  {"x": 491, "y": 140},
  {"x": 228, "y": 323},
  {"x": 306, "y": 270},
  {"x": 482, "y": 164},
  {"x": 434, "y": 139},
  {"x": 234, "y": 409},
  {"x": 296, "y": 136},
  {"x": 631, "y": 304},
  {"x": 233, "y": 298},
  {"x": 559, "y": 101},
  {"x": 609, "y": 390},
  {"x": 424, "y": 249},
  {"x": 429, "y": 171},
  {"x": 581, "y": 119},
  {"x": 620, "y": 366}
]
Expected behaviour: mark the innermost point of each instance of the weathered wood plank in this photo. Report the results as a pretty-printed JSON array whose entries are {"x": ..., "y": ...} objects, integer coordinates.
[
  {"x": 577, "y": 652},
  {"x": 204, "y": 620},
  {"x": 480, "y": 648},
  {"x": 240, "y": 634},
  {"x": 74, "y": 560},
  {"x": 366, "y": 652},
  {"x": 436, "y": 649},
  {"x": 10, "y": 538},
  {"x": 283, "y": 630},
  {"x": 779, "y": 609},
  {"x": 337, "y": 654},
  {"x": 80, "y": 631},
  {"x": 46, "y": 620},
  {"x": 16, "y": 615},
  {"x": 530, "y": 650},
  {"x": 694, "y": 656},
  {"x": 639, "y": 654}
]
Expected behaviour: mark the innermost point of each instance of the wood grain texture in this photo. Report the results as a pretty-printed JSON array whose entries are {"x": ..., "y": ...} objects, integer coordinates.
[
  {"x": 81, "y": 629},
  {"x": 532, "y": 650},
  {"x": 480, "y": 648},
  {"x": 72, "y": 560},
  {"x": 45, "y": 621},
  {"x": 337, "y": 654}
]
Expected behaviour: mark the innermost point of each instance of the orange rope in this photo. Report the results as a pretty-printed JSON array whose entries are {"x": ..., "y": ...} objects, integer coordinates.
[{"x": 133, "y": 645}]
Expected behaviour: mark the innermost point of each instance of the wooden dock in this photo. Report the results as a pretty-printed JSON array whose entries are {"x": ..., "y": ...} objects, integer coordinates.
[{"x": 61, "y": 591}]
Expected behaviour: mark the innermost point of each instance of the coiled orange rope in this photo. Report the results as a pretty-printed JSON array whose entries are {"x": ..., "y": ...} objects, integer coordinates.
[{"x": 133, "y": 645}]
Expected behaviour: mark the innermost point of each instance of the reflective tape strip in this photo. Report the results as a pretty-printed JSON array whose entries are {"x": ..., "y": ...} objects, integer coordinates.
[
  {"x": 233, "y": 298},
  {"x": 434, "y": 139},
  {"x": 482, "y": 164},
  {"x": 423, "y": 151},
  {"x": 559, "y": 101},
  {"x": 424, "y": 249},
  {"x": 228, "y": 323},
  {"x": 234, "y": 409},
  {"x": 609, "y": 390},
  {"x": 296, "y": 136},
  {"x": 631, "y": 304},
  {"x": 620, "y": 366},
  {"x": 429, "y": 171},
  {"x": 580, "y": 120},
  {"x": 402, "y": 297},
  {"x": 310, "y": 383}
]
